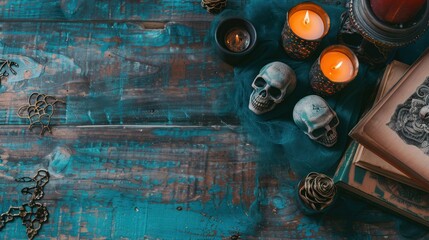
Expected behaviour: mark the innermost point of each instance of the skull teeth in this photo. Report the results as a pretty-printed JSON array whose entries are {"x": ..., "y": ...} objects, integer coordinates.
[
  {"x": 329, "y": 139},
  {"x": 260, "y": 104}
]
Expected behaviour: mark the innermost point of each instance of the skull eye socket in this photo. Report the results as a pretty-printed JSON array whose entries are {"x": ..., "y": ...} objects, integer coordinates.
[
  {"x": 334, "y": 122},
  {"x": 260, "y": 82},
  {"x": 275, "y": 92},
  {"x": 318, "y": 132}
]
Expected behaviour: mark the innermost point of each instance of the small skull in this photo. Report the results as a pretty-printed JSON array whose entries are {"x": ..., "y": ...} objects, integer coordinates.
[
  {"x": 274, "y": 82},
  {"x": 315, "y": 118}
]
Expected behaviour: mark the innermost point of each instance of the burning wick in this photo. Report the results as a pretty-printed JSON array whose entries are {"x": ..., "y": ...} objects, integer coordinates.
[
  {"x": 237, "y": 40},
  {"x": 306, "y": 18},
  {"x": 338, "y": 65}
]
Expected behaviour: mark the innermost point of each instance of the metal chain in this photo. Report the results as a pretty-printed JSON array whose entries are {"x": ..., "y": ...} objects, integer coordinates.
[
  {"x": 7, "y": 65},
  {"x": 4, "y": 63},
  {"x": 32, "y": 213}
]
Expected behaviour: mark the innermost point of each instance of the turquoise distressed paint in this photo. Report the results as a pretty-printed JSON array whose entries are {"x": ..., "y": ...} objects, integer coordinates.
[
  {"x": 28, "y": 68},
  {"x": 59, "y": 159},
  {"x": 70, "y": 7},
  {"x": 181, "y": 34},
  {"x": 110, "y": 10},
  {"x": 179, "y": 133},
  {"x": 279, "y": 202}
]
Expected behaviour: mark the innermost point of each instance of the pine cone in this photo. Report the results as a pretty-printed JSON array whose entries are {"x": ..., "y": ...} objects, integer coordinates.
[
  {"x": 317, "y": 191},
  {"x": 213, "y": 6}
]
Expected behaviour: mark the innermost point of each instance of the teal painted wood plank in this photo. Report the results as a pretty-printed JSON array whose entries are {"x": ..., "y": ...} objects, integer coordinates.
[
  {"x": 117, "y": 73},
  {"x": 104, "y": 178},
  {"x": 185, "y": 151},
  {"x": 147, "y": 10},
  {"x": 162, "y": 183},
  {"x": 140, "y": 10}
]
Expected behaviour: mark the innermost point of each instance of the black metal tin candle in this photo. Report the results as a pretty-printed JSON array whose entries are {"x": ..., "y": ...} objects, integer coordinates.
[{"x": 235, "y": 39}]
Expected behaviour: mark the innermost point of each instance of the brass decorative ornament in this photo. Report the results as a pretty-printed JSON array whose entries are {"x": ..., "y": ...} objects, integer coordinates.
[
  {"x": 213, "y": 6},
  {"x": 39, "y": 111}
]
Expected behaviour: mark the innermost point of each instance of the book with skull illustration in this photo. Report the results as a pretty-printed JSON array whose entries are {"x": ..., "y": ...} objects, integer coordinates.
[
  {"x": 365, "y": 158},
  {"x": 382, "y": 191},
  {"x": 397, "y": 127}
]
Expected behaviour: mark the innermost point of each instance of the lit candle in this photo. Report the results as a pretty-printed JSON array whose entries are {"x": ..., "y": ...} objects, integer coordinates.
[
  {"x": 237, "y": 40},
  {"x": 307, "y": 24},
  {"x": 337, "y": 66}
]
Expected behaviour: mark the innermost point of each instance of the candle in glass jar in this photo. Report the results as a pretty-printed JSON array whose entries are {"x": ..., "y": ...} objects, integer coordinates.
[
  {"x": 237, "y": 40},
  {"x": 307, "y": 24},
  {"x": 337, "y": 66}
]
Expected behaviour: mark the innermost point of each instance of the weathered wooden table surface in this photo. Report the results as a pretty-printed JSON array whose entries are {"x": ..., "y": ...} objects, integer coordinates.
[{"x": 144, "y": 147}]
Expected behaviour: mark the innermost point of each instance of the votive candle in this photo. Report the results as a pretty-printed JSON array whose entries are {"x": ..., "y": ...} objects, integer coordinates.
[
  {"x": 336, "y": 66},
  {"x": 306, "y": 24},
  {"x": 237, "y": 39}
]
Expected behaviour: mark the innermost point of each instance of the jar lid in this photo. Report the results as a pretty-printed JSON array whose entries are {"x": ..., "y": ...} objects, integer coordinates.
[{"x": 383, "y": 33}]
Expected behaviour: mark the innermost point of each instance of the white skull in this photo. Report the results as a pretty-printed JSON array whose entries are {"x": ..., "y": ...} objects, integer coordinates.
[
  {"x": 313, "y": 115},
  {"x": 274, "y": 82}
]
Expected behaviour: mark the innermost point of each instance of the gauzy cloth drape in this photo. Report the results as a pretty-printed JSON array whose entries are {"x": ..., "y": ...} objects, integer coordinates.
[
  {"x": 275, "y": 132},
  {"x": 281, "y": 144}
]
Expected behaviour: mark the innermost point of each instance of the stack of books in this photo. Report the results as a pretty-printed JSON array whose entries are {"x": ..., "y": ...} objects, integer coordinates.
[{"x": 388, "y": 159}]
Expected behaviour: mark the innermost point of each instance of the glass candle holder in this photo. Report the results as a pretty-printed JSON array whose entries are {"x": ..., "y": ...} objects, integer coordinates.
[
  {"x": 305, "y": 26},
  {"x": 336, "y": 66},
  {"x": 375, "y": 29}
]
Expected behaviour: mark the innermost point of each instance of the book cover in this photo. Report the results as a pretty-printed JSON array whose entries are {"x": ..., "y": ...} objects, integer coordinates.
[
  {"x": 388, "y": 193},
  {"x": 397, "y": 127},
  {"x": 365, "y": 158}
]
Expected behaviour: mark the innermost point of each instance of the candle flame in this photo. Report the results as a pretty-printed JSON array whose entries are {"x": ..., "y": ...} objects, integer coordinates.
[
  {"x": 237, "y": 38},
  {"x": 338, "y": 65},
  {"x": 307, "y": 18}
]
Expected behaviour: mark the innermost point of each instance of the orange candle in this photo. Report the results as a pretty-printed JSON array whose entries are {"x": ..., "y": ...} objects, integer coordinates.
[
  {"x": 307, "y": 24},
  {"x": 337, "y": 67}
]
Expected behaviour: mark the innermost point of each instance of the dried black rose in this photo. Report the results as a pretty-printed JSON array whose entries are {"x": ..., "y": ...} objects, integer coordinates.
[{"x": 317, "y": 191}]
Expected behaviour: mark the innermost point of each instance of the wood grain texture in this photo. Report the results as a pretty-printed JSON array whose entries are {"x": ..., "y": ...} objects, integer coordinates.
[
  {"x": 118, "y": 10},
  {"x": 134, "y": 174},
  {"x": 118, "y": 73},
  {"x": 147, "y": 145},
  {"x": 160, "y": 183}
]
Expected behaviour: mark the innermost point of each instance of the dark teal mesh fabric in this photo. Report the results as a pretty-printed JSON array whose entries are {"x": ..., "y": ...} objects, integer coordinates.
[
  {"x": 281, "y": 143},
  {"x": 276, "y": 129}
]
